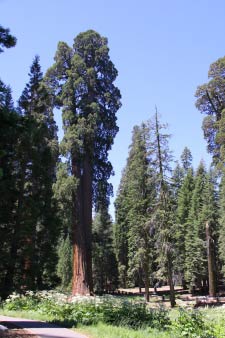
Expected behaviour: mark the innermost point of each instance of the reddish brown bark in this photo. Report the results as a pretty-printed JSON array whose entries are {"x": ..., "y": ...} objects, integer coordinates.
[
  {"x": 87, "y": 217},
  {"x": 82, "y": 219}
]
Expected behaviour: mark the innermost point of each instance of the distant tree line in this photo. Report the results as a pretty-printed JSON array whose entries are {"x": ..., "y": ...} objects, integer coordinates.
[{"x": 170, "y": 223}]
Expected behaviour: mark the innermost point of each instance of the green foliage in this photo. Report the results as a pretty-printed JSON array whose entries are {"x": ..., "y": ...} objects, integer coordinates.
[
  {"x": 82, "y": 83},
  {"x": 222, "y": 223},
  {"x": 112, "y": 311},
  {"x": 191, "y": 324},
  {"x": 136, "y": 193},
  {"x": 29, "y": 158},
  {"x": 210, "y": 101},
  {"x": 203, "y": 209},
  {"x": 196, "y": 260},
  {"x": 63, "y": 189},
  {"x": 186, "y": 159},
  {"x": 21, "y": 302},
  {"x": 104, "y": 265},
  {"x": 134, "y": 315},
  {"x": 184, "y": 196},
  {"x": 38, "y": 165},
  {"x": 162, "y": 216},
  {"x": 6, "y": 39},
  {"x": 82, "y": 80},
  {"x": 11, "y": 129},
  {"x": 131, "y": 318},
  {"x": 101, "y": 330},
  {"x": 65, "y": 258}
]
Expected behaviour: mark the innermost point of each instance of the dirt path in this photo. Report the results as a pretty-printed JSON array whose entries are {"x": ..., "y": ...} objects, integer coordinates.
[{"x": 34, "y": 328}]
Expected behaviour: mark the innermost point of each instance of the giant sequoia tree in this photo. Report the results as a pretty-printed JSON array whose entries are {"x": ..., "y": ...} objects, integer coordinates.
[
  {"x": 82, "y": 79},
  {"x": 211, "y": 101}
]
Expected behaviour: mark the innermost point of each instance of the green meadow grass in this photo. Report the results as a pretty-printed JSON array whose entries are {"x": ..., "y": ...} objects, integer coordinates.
[{"x": 108, "y": 331}]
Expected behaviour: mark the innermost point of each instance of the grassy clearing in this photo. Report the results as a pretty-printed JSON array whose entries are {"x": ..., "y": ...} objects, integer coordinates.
[
  {"x": 99, "y": 330},
  {"x": 108, "y": 331},
  {"x": 25, "y": 314}
]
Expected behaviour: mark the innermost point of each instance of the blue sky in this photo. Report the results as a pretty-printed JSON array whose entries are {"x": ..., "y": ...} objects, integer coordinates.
[{"x": 162, "y": 50}]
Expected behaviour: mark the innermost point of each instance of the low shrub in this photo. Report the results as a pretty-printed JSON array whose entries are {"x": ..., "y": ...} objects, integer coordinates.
[
  {"x": 191, "y": 324},
  {"x": 21, "y": 302},
  {"x": 109, "y": 310},
  {"x": 134, "y": 315}
]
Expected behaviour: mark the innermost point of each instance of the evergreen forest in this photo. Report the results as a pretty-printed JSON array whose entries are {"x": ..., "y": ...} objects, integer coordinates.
[{"x": 55, "y": 226}]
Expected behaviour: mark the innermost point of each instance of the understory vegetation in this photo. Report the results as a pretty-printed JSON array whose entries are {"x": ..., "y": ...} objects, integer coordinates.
[{"x": 111, "y": 316}]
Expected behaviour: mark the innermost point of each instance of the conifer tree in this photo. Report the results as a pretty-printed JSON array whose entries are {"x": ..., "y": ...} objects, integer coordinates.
[
  {"x": 210, "y": 218},
  {"x": 222, "y": 223},
  {"x": 7, "y": 112},
  {"x": 211, "y": 101},
  {"x": 105, "y": 274},
  {"x": 140, "y": 193},
  {"x": 162, "y": 216},
  {"x": 33, "y": 241},
  {"x": 196, "y": 255},
  {"x": 6, "y": 39},
  {"x": 182, "y": 212},
  {"x": 10, "y": 130},
  {"x": 82, "y": 78},
  {"x": 186, "y": 159},
  {"x": 120, "y": 230},
  {"x": 177, "y": 179},
  {"x": 64, "y": 265},
  {"x": 64, "y": 188},
  {"x": 36, "y": 106}
]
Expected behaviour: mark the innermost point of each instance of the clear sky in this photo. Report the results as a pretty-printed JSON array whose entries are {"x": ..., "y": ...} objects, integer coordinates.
[{"x": 162, "y": 50}]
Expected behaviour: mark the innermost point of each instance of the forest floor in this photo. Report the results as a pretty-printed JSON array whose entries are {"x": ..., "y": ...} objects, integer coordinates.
[
  {"x": 165, "y": 288},
  {"x": 183, "y": 297}
]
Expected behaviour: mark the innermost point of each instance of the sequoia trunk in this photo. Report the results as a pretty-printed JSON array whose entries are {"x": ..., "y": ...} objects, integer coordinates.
[{"x": 82, "y": 217}]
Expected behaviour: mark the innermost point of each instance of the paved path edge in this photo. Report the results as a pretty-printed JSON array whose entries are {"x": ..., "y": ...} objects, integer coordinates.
[{"x": 42, "y": 329}]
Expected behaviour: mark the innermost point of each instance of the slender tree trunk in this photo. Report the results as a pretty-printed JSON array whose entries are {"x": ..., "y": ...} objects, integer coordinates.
[
  {"x": 146, "y": 278},
  {"x": 147, "y": 288},
  {"x": 211, "y": 261},
  {"x": 139, "y": 279},
  {"x": 170, "y": 280}
]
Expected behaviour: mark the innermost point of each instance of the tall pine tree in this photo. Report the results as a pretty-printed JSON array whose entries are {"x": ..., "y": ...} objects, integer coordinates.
[
  {"x": 162, "y": 216},
  {"x": 33, "y": 240},
  {"x": 140, "y": 194}
]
